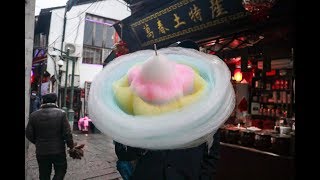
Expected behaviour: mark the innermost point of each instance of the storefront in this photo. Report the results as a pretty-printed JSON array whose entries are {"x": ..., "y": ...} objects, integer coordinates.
[
  {"x": 258, "y": 140},
  {"x": 40, "y": 78}
]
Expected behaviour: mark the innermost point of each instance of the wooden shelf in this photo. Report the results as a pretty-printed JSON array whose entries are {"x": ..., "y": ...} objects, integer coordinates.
[
  {"x": 285, "y": 77},
  {"x": 264, "y": 116},
  {"x": 277, "y": 90},
  {"x": 271, "y": 103},
  {"x": 270, "y": 81}
]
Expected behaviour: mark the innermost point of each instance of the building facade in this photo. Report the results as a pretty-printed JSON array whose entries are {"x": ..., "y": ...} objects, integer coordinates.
[
  {"x": 29, "y": 28},
  {"x": 88, "y": 28}
]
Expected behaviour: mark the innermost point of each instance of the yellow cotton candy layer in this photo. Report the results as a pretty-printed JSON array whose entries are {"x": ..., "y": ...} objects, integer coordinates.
[
  {"x": 123, "y": 94},
  {"x": 134, "y": 105}
]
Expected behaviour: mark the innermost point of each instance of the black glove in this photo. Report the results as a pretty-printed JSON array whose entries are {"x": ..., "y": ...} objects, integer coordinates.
[{"x": 76, "y": 152}]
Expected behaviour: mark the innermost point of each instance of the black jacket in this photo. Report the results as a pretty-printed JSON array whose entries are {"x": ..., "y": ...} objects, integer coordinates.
[
  {"x": 185, "y": 164},
  {"x": 49, "y": 129}
]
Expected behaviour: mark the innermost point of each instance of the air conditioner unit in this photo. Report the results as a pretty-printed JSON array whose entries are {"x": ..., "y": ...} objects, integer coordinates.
[{"x": 75, "y": 50}]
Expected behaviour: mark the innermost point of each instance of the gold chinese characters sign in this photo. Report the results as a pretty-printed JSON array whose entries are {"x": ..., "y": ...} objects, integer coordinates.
[{"x": 182, "y": 18}]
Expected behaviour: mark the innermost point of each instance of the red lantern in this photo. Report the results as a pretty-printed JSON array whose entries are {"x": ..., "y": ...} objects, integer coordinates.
[
  {"x": 32, "y": 77},
  {"x": 237, "y": 75},
  {"x": 258, "y": 8}
]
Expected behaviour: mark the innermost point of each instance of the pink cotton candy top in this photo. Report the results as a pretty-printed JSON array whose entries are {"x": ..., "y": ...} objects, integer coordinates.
[{"x": 179, "y": 85}]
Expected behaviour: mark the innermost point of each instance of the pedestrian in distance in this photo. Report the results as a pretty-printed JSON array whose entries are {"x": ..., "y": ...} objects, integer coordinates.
[
  {"x": 49, "y": 129},
  {"x": 34, "y": 102}
]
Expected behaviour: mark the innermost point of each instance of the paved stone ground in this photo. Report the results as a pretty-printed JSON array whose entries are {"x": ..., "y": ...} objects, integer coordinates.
[{"x": 98, "y": 163}]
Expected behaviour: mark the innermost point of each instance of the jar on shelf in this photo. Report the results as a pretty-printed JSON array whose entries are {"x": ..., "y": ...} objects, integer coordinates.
[
  {"x": 273, "y": 112},
  {"x": 261, "y": 110},
  {"x": 268, "y": 86},
  {"x": 289, "y": 98},
  {"x": 281, "y": 84},
  {"x": 286, "y": 86},
  {"x": 268, "y": 112},
  {"x": 265, "y": 98},
  {"x": 265, "y": 112},
  {"x": 256, "y": 84},
  {"x": 285, "y": 113},
  {"x": 255, "y": 98},
  {"x": 277, "y": 84},
  {"x": 277, "y": 111},
  {"x": 274, "y": 96}
]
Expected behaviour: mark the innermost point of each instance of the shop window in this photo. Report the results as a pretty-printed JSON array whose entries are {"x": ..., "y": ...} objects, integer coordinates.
[
  {"x": 110, "y": 33},
  {"x": 98, "y": 39},
  {"x": 98, "y": 32},
  {"x": 92, "y": 55},
  {"x": 88, "y": 33},
  {"x": 40, "y": 40}
]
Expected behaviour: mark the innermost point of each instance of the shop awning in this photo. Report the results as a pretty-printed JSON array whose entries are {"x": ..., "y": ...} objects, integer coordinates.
[
  {"x": 188, "y": 19},
  {"x": 39, "y": 55},
  {"x": 39, "y": 60}
]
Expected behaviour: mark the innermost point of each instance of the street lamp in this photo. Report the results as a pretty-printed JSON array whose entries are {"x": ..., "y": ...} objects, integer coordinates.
[
  {"x": 69, "y": 111},
  {"x": 60, "y": 64},
  {"x": 67, "y": 57}
]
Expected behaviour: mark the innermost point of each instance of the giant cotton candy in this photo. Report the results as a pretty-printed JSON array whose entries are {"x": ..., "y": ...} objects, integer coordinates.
[{"x": 184, "y": 127}]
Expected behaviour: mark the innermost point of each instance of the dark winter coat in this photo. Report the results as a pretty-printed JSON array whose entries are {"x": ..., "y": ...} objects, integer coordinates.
[
  {"x": 185, "y": 164},
  {"x": 49, "y": 129}
]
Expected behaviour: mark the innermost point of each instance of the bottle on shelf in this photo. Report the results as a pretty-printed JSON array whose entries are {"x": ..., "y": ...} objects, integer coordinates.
[
  {"x": 261, "y": 110},
  {"x": 256, "y": 84},
  {"x": 274, "y": 96},
  {"x": 273, "y": 112},
  {"x": 286, "y": 86},
  {"x": 276, "y": 84},
  {"x": 278, "y": 111},
  {"x": 281, "y": 85},
  {"x": 283, "y": 97},
  {"x": 289, "y": 98},
  {"x": 268, "y": 86},
  {"x": 284, "y": 111}
]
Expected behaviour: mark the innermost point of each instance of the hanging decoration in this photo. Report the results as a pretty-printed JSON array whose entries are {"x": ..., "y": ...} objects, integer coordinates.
[
  {"x": 243, "y": 105},
  {"x": 121, "y": 48},
  {"x": 258, "y": 8}
]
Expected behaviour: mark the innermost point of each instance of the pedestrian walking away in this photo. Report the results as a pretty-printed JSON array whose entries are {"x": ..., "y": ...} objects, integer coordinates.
[{"x": 49, "y": 129}]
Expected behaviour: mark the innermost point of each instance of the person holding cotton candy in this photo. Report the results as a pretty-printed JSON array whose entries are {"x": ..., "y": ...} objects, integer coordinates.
[{"x": 166, "y": 104}]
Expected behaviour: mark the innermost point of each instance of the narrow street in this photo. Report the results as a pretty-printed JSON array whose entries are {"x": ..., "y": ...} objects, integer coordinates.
[{"x": 99, "y": 161}]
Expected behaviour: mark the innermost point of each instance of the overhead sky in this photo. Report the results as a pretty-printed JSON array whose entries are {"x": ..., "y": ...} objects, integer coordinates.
[{"x": 42, "y": 4}]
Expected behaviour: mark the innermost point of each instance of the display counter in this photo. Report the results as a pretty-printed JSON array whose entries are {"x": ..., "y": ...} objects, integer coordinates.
[
  {"x": 239, "y": 162},
  {"x": 267, "y": 140}
]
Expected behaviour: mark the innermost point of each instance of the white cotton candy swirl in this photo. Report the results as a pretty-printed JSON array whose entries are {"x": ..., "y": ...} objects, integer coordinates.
[{"x": 187, "y": 127}]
